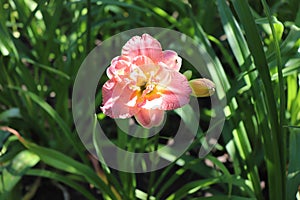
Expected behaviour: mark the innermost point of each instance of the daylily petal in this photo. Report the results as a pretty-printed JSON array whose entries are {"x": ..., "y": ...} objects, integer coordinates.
[
  {"x": 171, "y": 59},
  {"x": 151, "y": 103},
  {"x": 146, "y": 65},
  {"x": 173, "y": 88},
  {"x": 107, "y": 90},
  {"x": 145, "y": 45},
  {"x": 171, "y": 91},
  {"x": 122, "y": 57},
  {"x": 202, "y": 87},
  {"x": 118, "y": 68},
  {"x": 142, "y": 60},
  {"x": 115, "y": 99},
  {"x": 149, "y": 118}
]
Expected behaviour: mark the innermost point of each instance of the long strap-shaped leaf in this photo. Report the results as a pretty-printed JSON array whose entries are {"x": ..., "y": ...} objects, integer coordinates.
[
  {"x": 282, "y": 142},
  {"x": 255, "y": 46},
  {"x": 65, "y": 163}
]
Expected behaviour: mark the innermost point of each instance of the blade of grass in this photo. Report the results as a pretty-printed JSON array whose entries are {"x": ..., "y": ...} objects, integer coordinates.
[
  {"x": 294, "y": 164},
  {"x": 60, "y": 161},
  {"x": 225, "y": 53},
  {"x": 48, "y": 68},
  {"x": 282, "y": 101},
  {"x": 89, "y": 27},
  {"x": 12, "y": 146},
  {"x": 65, "y": 129},
  {"x": 13, "y": 173},
  {"x": 62, "y": 179},
  {"x": 289, "y": 70},
  {"x": 255, "y": 46},
  {"x": 142, "y": 195},
  {"x": 225, "y": 171},
  {"x": 32, "y": 14},
  {"x": 224, "y": 198},
  {"x": 256, "y": 49},
  {"x": 106, "y": 176},
  {"x": 7, "y": 45},
  {"x": 240, "y": 49},
  {"x": 190, "y": 164},
  {"x": 194, "y": 186}
]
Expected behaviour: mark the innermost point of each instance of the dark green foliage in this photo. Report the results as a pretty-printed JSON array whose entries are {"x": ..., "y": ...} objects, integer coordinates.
[{"x": 255, "y": 47}]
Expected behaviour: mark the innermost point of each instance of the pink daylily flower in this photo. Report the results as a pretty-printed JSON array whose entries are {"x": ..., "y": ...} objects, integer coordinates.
[{"x": 144, "y": 82}]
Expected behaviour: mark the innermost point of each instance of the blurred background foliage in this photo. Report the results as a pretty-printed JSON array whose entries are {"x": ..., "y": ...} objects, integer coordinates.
[{"x": 255, "y": 48}]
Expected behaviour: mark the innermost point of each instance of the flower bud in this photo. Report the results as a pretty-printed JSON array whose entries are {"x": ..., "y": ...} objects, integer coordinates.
[{"x": 202, "y": 87}]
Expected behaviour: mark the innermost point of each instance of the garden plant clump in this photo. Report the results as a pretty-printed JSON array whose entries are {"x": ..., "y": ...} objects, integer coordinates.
[{"x": 246, "y": 88}]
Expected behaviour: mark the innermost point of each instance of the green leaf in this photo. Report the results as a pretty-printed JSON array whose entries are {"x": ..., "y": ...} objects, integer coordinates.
[
  {"x": 55, "y": 116},
  {"x": 12, "y": 173},
  {"x": 10, "y": 113},
  {"x": 61, "y": 161},
  {"x": 282, "y": 115},
  {"x": 6, "y": 44},
  {"x": 3, "y": 137},
  {"x": 242, "y": 54},
  {"x": 275, "y": 145},
  {"x": 278, "y": 26},
  {"x": 10, "y": 148},
  {"x": 291, "y": 43},
  {"x": 293, "y": 180},
  {"x": 188, "y": 74},
  {"x": 224, "y": 198},
  {"x": 62, "y": 179},
  {"x": 189, "y": 117},
  {"x": 47, "y": 68},
  {"x": 142, "y": 195},
  {"x": 292, "y": 67},
  {"x": 192, "y": 187}
]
